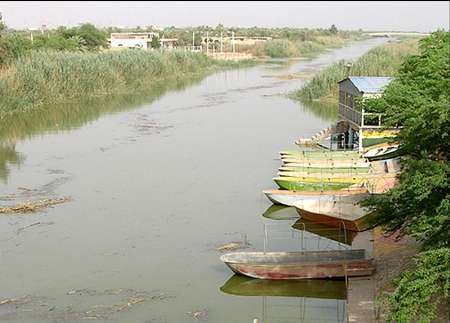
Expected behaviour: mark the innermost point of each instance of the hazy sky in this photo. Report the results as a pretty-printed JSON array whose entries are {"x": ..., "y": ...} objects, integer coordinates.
[{"x": 375, "y": 15}]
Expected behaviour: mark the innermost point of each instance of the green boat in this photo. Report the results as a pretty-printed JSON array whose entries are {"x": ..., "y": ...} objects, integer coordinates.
[
  {"x": 329, "y": 170},
  {"x": 321, "y": 154},
  {"x": 288, "y": 183}
]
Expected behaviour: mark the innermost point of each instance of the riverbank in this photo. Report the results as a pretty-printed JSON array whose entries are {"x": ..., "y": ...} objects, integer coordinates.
[
  {"x": 43, "y": 79},
  {"x": 384, "y": 60}
]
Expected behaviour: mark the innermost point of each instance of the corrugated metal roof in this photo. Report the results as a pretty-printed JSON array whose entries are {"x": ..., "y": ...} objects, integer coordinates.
[{"x": 370, "y": 84}]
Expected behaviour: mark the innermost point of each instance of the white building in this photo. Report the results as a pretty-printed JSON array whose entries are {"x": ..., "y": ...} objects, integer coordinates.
[{"x": 132, "y": 40}]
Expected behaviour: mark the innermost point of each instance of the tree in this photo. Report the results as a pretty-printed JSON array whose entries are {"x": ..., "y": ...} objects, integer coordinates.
[
  {"x": 418, "y": 99},
  {"x": 155, "y": 43},
  {"x": 93, "y": 38},
  {"x": 333, "y": 29}
]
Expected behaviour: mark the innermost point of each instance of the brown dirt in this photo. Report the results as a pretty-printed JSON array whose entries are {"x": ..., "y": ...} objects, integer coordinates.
[{"x": 393, "y": 254}]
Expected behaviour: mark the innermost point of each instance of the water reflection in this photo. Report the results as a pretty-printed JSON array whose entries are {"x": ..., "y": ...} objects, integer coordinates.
[
  {"x": 76, "y": 114},
  {"x": 322, "y": 230},
  {"x": 293, "y": 300},
  {"x": 325, "y": 111},
  {"x": 312, "y": 288},
  {"x": 8, "y": 156},
  {"x": 281, "y": 212}
]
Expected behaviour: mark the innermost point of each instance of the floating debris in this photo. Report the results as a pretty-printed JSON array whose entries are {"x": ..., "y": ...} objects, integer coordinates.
[
  {"x": 199, "y": 315},
  {"x": 34, "y": 224},
  {"x": 235, "y": 245},
  {"x": 32, "y": 206}
]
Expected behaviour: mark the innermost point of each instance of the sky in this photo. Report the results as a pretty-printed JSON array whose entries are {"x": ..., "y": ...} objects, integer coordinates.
[{"x": 423, "y": 16}]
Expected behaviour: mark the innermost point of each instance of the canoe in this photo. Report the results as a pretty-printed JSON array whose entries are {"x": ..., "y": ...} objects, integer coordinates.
[
  {"x": 325, "y": 231},
  {"x": 311, "y": 288},
  {"x": 281, "y": 212},
  {"x": 329, "y": 170},
  {"x": 300, "y": 265},
  {"x": 325, "y": 163},
  {"x": 299, "y": 159},
  {"x": 382, "y": 153},
  {"x": 291, "y": 184},
  {"x": 326, "y": 177},
  {"x": 333, "y": 153},
  {"x": 286, "y": 197},
  {"x": 320, "y": 155},
  {"x": 344, "y": 214}
]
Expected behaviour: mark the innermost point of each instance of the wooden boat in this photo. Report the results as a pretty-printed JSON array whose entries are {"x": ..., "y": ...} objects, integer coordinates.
[
  {"x": 288, "y": 198},
  {"x": 298, "y": 159},
  {"x": 382, "y": 153},
  {"x": 292, "y": 184},
  {"x": 311, "y": 288},
  {"x": 329, "y": 170},
  {"x": 281, "y": 212},
  {"x": 336, "y": 234},
  {"x": 326, "y": 177},
  {"x": 300, "y": 265},
  {"x": 325, "y": 163},
  {"x": 339, "y": 155},
  {"x": 346, "y": 214}
]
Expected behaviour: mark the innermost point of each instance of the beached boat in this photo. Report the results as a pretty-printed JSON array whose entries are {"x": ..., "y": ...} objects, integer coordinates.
[
  {"x": 292, "y": 184},
  {"x": 344, "y": 155},
  {"x": 300, "y": 265},
  {"x": 288, "y": 198},
  {"x": 381, "y": 153},
  {"x": 325, "y": 163},
  {"x": 329, "y": 170},
  {"x": 326, "y": 177},
  {"x": 347, "y": 214},
  {"x": 310, "y": 288},
  {"x": 299, "y": 159}
]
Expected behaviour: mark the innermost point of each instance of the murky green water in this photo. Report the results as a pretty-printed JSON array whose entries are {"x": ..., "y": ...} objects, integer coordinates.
[{"x": 156, "y": 188}]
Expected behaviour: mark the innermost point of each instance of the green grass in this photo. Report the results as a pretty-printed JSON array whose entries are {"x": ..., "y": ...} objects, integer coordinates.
[
  {"x": 49, "y": 78},
  {"x": 383, "y": 60},
  {"x": 284, "y": 47}
]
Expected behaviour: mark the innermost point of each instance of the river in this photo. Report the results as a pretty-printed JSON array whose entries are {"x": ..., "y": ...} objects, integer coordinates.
[{"x": 155, "y": 190}]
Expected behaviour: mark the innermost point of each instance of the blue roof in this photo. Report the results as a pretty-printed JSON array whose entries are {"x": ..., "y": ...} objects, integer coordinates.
[{"x": 370, "y": 84}]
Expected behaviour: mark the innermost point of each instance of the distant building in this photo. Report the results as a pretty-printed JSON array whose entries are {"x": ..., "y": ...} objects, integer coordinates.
[
  {"x": 132, "y": 40},
  {"x": 238, "y": 40},
  {"x": 168, "y": 43}
]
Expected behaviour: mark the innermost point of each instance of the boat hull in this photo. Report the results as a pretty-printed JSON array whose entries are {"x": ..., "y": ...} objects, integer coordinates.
[
  {"x": 300, "y": 265},
  {"x": 288, "y": 198},
  {"x": 292, "y": 185},
  {"x": 324, "y": 163},
  {"x": 342, "y": 214}
]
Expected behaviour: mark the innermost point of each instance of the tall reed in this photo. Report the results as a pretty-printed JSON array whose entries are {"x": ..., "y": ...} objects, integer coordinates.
[
  {"x": 383, "y": 60},
  {"x": 45, "y": 78}
]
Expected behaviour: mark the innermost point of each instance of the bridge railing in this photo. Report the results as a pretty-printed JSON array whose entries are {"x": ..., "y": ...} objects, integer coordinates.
[{"x": 360, "y": 118}]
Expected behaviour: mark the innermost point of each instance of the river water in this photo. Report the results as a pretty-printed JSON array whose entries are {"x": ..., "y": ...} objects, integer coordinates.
[{"x": 155, "y": 189}]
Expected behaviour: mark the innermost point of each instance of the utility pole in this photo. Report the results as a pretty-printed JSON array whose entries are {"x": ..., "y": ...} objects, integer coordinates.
[
  {"x": 207, "y": 44},
  {"x": 234, "y": 47},
  {"x": 193, "y": 40},
  {"x": 221, "y": 42}
]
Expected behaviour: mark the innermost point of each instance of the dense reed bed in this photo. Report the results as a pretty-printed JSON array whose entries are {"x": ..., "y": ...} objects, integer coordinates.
[
  {"x": 384, "y": 60},
  {"x": 46, "y": 78},
  {"x": 278, "y": 48}
]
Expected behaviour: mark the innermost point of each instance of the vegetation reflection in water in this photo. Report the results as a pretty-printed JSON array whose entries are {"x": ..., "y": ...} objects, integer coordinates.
[
  {"x": 69, "y": 116},
  {"x": 8, "y": 156}
]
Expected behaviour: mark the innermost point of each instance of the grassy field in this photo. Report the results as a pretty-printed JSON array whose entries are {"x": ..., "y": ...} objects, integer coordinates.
[
  {"x": 50, "y": 78},
  {"x": 383, "y": 60}
]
